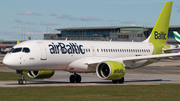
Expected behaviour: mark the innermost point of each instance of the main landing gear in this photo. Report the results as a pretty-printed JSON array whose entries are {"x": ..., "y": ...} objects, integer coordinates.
[
  {"x": 21, "y": 81},
  {"x": 75, "y": 78},
  {"x": 120, "y": 80}
]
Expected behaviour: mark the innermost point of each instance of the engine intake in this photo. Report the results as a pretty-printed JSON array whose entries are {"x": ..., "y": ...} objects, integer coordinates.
[
  {"x": 110, "y": 70},
  {"x": 41, "y": 74}
]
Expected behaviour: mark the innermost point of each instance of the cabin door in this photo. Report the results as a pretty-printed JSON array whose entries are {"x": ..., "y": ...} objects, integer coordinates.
[{"x": 43, "y": 51}]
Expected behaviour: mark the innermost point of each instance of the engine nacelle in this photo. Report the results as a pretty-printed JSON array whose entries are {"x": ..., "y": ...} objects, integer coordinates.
[
  {"x": 41, "y": 74},
  {"x": 110, "y": 70}
]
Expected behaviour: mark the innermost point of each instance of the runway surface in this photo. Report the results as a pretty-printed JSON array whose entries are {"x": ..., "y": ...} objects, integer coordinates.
[{"x": 163, "y": 72}]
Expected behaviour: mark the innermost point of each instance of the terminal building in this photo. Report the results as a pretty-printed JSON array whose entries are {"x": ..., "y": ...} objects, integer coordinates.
[{"x": 127, "y": 33}]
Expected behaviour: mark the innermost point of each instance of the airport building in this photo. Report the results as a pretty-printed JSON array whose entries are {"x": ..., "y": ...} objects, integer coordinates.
[{"x": 127, "y": 33}]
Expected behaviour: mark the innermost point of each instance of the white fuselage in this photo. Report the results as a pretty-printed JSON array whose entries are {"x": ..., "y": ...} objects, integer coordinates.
[{"x": 58, "y": 55}]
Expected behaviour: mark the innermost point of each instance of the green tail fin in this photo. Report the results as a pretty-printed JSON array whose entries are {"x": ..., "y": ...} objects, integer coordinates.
[
  {"x": 18, "y": 41},
  {"x": 177, "y": 37},
  {"x": 159, "y": 33}
]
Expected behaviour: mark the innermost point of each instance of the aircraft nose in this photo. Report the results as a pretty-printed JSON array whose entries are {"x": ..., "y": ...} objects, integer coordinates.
[
  {"x": 9, "y": 61},
  {"x": 6, "y": 61}
]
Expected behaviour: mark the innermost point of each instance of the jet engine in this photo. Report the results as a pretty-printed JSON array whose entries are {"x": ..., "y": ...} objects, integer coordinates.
[
  {"x": 41, "y": 74},
  {"x": 110, "y": 70}
]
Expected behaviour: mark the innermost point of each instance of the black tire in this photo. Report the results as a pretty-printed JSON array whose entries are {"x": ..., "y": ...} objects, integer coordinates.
[
  {"x": 19, "y": 81},
  {"x": 114, "y": 81},
  {"x": 121, "y": 80},
  {"x": 78, "y": 79},
  {"x": 72, "y": 79},
  {"x": 23, "y": 81}
]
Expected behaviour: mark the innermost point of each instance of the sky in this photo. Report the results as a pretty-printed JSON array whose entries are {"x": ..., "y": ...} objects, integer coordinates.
[{"x": 20, "y": 19}]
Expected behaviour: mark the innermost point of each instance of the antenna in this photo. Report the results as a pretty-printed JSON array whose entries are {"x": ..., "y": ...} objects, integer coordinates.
[
  {"x": 48, "y": 28},
  {"x": 22, "y": 33}
]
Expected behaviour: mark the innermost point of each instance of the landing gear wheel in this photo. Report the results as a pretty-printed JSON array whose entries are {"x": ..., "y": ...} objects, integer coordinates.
[
  {"x": 78, "y": 78},
  {"x": 71, "y": 79},
  {"x": 75, "y": 78},
  {"x": 24, "y": 81},
  {"x": 121, "y": 80},
  {"x": 21, "y": 81},
  {"x": 114, "y": 81}
]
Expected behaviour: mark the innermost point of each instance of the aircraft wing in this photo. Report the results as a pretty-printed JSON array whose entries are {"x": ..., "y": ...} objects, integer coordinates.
[
  {"x": 171, "y": 50},
  {"x": 159, "y": 56},
  {"x": 174, "y": 48},
  {"x": 129, "y": 61}
]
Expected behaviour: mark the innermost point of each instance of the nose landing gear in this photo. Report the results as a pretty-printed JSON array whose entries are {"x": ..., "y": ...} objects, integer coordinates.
[{"x": 23, "y": 80}]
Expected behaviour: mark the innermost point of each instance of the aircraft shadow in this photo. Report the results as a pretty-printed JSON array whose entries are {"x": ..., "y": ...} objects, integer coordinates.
[{"x": 38, "y": 82}]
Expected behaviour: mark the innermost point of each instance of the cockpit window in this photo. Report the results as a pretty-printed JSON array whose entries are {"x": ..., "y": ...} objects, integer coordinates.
[
  {"x": 26, "y": 50},
  {"x": 16, "y": 50},
  {"x": 10, "y": 50}
]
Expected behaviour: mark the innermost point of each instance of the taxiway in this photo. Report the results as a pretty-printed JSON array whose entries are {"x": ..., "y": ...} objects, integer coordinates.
[{"x": 163, "y": 72}]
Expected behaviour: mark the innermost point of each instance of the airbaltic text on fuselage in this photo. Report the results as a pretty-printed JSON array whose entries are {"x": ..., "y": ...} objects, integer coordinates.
[
  {"x": 161, "y": 35},
  {"x": 61, "y": 48}
]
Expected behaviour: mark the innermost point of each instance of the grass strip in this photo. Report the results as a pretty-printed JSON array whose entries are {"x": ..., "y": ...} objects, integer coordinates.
[
  {"x": 165, "y": 92},
  {"x": 6, "y": 76}
]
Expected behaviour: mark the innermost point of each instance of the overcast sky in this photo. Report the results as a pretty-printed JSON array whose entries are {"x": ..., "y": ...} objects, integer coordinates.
[{"x": 37, "y": 17}]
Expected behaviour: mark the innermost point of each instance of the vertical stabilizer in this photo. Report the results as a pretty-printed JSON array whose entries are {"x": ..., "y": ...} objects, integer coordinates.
[
  {"x": 177, "y": 37},
  {"x": 18, "y": 41},
  {"x": 159, "y": 33}
]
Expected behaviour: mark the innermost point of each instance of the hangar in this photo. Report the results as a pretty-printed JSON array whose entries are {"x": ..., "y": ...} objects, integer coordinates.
[{"x": 125, "y": 33}]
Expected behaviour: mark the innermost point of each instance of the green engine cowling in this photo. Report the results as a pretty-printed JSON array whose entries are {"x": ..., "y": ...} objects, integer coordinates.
[
  {"x": 41, "y": 74},
  {"x": 110, "y": 70}
]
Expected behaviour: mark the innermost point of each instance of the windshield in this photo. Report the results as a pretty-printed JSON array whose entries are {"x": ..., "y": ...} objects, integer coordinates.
[
  {"x": 10, "y": 50},
  {"x": 16, "y": 50}
]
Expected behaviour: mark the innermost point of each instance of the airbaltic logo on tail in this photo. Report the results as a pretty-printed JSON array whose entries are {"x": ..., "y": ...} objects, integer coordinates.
[
  {"x": 71, "y": 48},
  {"x": 161, "y": 35}
]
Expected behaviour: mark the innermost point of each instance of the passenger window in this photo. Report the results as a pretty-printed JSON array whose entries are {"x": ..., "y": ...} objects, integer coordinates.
[
  {"x": 16, "y": 50},
  {"x": 26, "y": 50}
]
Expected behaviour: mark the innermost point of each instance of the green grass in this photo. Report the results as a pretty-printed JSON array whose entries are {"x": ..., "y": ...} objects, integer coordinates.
[
  {"x": 2, "y": 66},
  {"x": 163, "y": 92},
  {"x": 6, "y": 76}
]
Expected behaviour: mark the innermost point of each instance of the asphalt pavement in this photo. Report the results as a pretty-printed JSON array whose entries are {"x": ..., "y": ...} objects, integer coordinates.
[{"x": 163, "y": 72}]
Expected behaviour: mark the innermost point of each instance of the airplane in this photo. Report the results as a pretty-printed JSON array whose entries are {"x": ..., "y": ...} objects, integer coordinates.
[
  {"x": 177, "y": 37},
  {"x": 174, "y": 48},
  {"x": 108, "y": 59}
]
